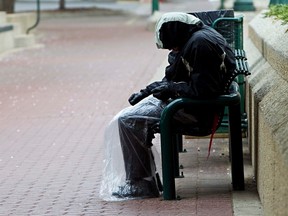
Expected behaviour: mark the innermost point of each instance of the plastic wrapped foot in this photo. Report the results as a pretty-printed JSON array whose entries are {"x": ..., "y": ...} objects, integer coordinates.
[{"x": 137, "y": 190}]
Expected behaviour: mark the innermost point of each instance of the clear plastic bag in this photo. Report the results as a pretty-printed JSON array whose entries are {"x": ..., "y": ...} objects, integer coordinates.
[
  {"x": 130, "y": 127},
  {"x": 129, "y": 153}
]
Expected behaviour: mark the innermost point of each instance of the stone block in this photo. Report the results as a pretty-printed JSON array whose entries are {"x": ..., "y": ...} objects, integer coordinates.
[
  {"x": 3, "y": 19},
  {"x": 24, "y": 20},
  {"x": 24, "y": 40},
  {"x": 268, "y": 120},
  {"x": 7, "y": 41}
]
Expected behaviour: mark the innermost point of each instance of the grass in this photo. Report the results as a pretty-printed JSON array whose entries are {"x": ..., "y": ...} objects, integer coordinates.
[{"x": 279, "y": 11}]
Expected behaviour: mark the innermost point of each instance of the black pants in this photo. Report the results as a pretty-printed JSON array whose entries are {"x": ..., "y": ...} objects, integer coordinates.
[
  {"x": 136, "y": 134},
  {"x": 135, "y": 131}
]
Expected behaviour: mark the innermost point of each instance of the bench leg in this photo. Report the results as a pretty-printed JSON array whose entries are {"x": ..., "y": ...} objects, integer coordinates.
[
  {"x": 167, "y": 152},
  {"x": 179, "y": 142},
  {"x": 176, "y": 156},
  {"x": 236, "y": 147}
]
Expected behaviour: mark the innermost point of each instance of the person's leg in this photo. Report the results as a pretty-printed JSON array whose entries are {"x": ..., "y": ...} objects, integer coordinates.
[{"x": 136, "y": 140}]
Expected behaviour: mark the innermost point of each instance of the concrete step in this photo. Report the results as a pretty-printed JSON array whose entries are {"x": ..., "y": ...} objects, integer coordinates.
[
  {"x": 13, "y": 29},
  {"x": 6, "y": 38},
  {"x": 23, "y": 20},
  {"x": 23, "y": 40},
  {"x": 3, "y": 18},
  {"x": 6, "y": 33}
]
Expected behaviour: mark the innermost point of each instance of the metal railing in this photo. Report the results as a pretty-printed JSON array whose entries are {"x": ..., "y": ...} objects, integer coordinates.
[{"x": 37, "y": 18}]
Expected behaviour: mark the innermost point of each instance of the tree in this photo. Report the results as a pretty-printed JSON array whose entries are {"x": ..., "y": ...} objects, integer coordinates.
[
  {"x": 62, "y": 5},
  {"x": 7, "y": 5}
]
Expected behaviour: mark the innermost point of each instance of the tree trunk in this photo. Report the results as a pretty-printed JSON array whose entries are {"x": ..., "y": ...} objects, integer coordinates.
[
  {"x": 7, "y": 5},
  {"x": 62, "y": 5}
]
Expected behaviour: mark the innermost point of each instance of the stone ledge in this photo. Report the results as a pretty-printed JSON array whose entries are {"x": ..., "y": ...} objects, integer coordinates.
[
  {"x": 270, "y": 86},
  {"x": 13, "y": 29},
  {"x": 267, "y": 111},
  {"x": 24, "y": 40},
  {"x": 24, "y": 20},
  {"x": 7, "y": 41},
  {"x": 3, "y": 19},
  {"x": 271, "y": 39}
]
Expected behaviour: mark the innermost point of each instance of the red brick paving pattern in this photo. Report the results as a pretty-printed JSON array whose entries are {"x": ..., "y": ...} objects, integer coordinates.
[{"x": 55, "y": 102}]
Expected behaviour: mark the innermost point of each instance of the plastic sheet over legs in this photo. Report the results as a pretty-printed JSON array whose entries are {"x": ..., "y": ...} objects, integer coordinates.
[{"x": 129, "y": 153}]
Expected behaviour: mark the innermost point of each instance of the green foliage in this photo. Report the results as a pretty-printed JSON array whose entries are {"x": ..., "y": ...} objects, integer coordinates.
[{"x": 279, "y": 11}]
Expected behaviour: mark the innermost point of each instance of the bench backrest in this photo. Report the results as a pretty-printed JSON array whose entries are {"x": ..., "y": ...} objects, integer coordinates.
[
  {"x": 226, "y": 24},
  {"x": 231, "y": 28}
]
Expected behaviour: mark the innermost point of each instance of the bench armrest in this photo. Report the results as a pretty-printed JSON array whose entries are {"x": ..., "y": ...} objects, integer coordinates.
[
  {"x": 238, "y": 19},
  {"x": 179, "y": 103}
]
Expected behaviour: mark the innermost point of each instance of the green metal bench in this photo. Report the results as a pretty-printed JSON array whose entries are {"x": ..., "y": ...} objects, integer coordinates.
[
  {"x": 235, "y": 41},
  {"x": 171, "y": 133},
  {"x": 231, "y": 28}
]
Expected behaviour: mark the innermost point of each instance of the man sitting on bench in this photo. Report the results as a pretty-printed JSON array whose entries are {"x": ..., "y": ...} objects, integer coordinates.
[{"x": 198, "y": 60}]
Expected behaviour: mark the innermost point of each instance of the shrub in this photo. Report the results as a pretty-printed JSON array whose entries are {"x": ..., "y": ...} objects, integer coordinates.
[{"x": 279, "y": 11}]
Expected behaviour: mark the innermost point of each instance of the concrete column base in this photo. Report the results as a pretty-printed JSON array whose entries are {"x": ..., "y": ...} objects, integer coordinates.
[{"x": 22, "y": 41}]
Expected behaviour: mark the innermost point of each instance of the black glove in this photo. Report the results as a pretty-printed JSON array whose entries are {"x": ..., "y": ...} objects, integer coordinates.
[
  {"x": 164, "y": 91},
  {"x": 154, "y": 85},
  {"x": 136, "y": 97}
]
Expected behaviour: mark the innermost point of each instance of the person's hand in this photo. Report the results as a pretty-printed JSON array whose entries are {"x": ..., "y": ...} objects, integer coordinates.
[
  {"x": 137, "y": 97},
  {"x": 153, "y": 85},
  {"x": 164, "y": 91}
]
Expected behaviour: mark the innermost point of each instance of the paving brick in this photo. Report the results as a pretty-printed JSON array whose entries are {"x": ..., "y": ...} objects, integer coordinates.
[{"x": 55, "y": 102}]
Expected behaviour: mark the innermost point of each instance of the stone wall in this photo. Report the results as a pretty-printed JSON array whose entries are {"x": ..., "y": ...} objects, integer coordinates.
[
  {"x": 6, "y": 34},
  {"x": 16, "y": 36},
  {"x": 267, "y": 107}
]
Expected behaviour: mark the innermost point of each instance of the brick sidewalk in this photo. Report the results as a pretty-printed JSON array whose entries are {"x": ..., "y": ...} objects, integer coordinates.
[{"x": 55, "y": 102}]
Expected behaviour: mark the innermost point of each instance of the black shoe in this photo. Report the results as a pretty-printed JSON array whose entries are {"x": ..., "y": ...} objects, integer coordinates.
[{"x": 137, "y": 189}]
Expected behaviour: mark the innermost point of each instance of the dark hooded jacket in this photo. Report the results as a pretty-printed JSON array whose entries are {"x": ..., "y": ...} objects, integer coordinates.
[
  {"x": 199, "y": 67},
  {"x": 203, "y": 59}
]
